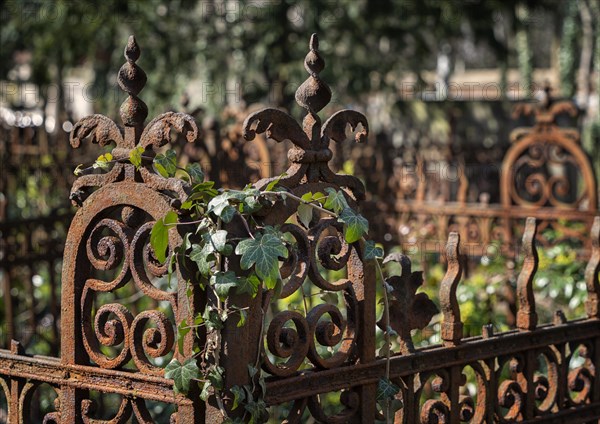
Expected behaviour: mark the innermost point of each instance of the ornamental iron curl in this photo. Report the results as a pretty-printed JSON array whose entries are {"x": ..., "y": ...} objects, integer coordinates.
[
  {"x": 310, "y": 154},
  {"x": 102, "y": 130},
  {"x": 540, "y": 167},
  {"x": 544, "y": 374},
  {"x": 337, "y": 331},
  {"x": 108, "y": 250}
]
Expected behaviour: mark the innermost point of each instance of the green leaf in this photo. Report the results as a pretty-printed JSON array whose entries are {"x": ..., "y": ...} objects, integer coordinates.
[
  {"x": 182, "y": 330},
  {"x": 227, "y": 214},
  {"x": 215, "y": 376},
  {"x": 221, "y": 207},
  {"x": 239, "y": 395},
  {"x": 252, "y": 370},
  {"x": 248, "y": 285},
  {"x": 205, "y": 393},
  {"x": 203, "y": 256},
  {"x": 243, "y": 317},
  {"x": 386, "y": 389},
  {"x": 372, "y": 251},
  {"x": 305, "y": 214},
  {"x": 336, "y": 201},
  {"x": 219, "y": 241},
  {"x": 307, "y": 197},
  {"x": 212, "y": 319},
  {"x": 103, "y": 161},
  {"x": 250, "y": 204},
  {"x": 263, "y": 252},
  {"x": 159, "y": 237},
  {"x": 319, "y": 197},
  {"x": 257, "y": 410},
  {"x": 182, "y": 374},
  {"x": 166, "y": 164},
  {"x": 273, "y": 183},
  {"x": 135, "y": 156},
  {"x": 195, "y": 172},
  {"x": 356, "y": 225},
  {"x": 223, "y": 282}
]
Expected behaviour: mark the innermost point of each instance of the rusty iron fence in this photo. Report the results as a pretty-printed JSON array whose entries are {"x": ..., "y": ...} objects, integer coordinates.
[
  {"x": 545, "y": 173},
  {"x": 118, "y": 317}
]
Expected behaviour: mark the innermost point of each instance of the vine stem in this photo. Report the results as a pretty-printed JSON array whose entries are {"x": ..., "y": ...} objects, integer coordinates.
[
  {"x": 299, "y": 199},
  {"x": 246, "y": 225},
  {"x": 386, "y": 333},
  {"x": 217, "y": 354}
]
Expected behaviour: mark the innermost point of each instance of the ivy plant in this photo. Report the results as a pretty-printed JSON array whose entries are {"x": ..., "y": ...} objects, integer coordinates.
[{"x": 208, "y": 213}]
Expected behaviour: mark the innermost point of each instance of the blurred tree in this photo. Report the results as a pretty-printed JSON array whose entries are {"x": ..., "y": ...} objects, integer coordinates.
[{"x": 250, "y": 50}]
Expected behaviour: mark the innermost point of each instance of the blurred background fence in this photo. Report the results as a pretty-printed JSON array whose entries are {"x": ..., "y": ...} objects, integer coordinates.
[{"x": 438, "y": 81}]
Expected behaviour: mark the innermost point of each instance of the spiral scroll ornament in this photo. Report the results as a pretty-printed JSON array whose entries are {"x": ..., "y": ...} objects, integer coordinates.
[
  {"x": 545, "y": 162},
  {"x": 581, "y": 376},
  {"x": 122, "y": 246},
  {"x": 511, "y": 391},
  {"x": 292, "y": 337}
]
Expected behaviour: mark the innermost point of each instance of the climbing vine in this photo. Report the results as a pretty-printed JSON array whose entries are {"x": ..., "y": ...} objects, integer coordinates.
[{"x": 207, "y": 216}]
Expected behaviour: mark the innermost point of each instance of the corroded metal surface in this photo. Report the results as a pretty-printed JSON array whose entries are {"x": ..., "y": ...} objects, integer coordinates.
[
  {"x": 538, "y": 373},
  {"x": 108, "y": 346},
  {"x": 545, "y": 174},
  {"x": 337, "y": 332}
]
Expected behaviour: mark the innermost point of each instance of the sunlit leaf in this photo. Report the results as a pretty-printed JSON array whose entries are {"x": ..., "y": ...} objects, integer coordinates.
[
  {"x": 182, "y": 374},
  {"x": 159, "y": 237}
]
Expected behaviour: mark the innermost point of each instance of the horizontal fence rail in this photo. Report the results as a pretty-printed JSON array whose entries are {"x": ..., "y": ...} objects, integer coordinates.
[{"x": 122, "y": 310}]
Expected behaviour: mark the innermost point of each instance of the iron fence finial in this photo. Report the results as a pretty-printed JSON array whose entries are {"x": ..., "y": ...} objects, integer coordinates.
[
  {"x": 314, "y": 94},
  {"x": 132, "y": 79}
]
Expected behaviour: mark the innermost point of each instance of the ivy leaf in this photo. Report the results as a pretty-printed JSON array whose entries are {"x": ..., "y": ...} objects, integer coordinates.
[
  {"x": 205, "y": 393},
  {"x": 166, "y": 164},
  {"x": 243, "y": 317},
  {"x": 212, "y": 319},
  {"x": 223, "y": 282},
  {"x": 182, "y": 374},
  {"x": 182, "y": 330},
  {"x": 215, "y": 375},
  {"x": 159, "y": 237},
  {"x": 356, "y": 225},
  {"x": 228, "y": 214},
  {"x": 239, "y": 395},
  {"x": 252, "y": 370},
  {"x": 204, "y": 191},
  {"x": 386, "y": 389},
  {"x": 219, "y": 241},
  {"x": 273, "y": 183},
  {"x": 336, "y": 201},
  {"x": 372, "y": 251},
  {"x": 135, "y": 157},
  {"x": 248, "y": 285},
  {"x": 319, "y": 197},
  {"x": 195, "y": 172},
  {"x": 103, "y": 161},
  {"x": 305, "y": 214},
  {"x": 258, "y": 411},
  {"x": 263, "y": 252},
  {"x": 219, "y": 205},
  {"x": 250, "y": 204},
  {"x": 203, "y": 256}
]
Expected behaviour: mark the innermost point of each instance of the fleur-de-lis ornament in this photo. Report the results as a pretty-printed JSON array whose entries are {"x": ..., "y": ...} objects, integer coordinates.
[
  {"x": 310, "y": 154},
  {"x": 150, "y": 138},
  {"x": 546, "y": 110}
]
